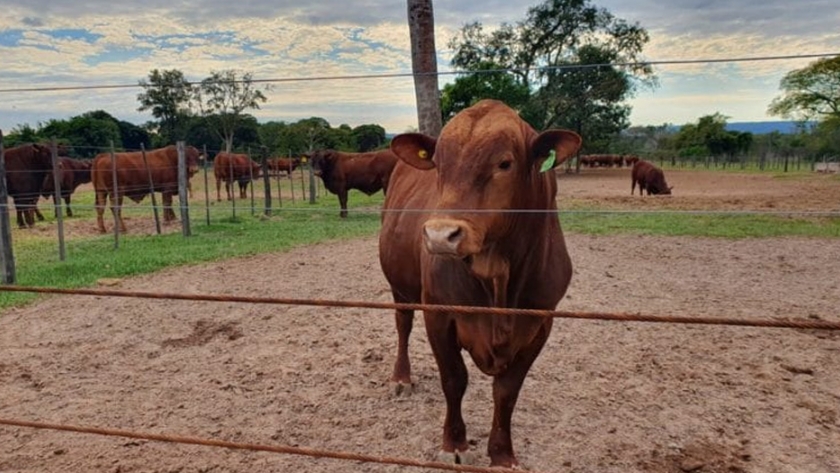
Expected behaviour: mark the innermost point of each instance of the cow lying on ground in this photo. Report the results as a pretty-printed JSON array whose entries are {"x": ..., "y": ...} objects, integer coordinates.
[
  {"x": 133, "y": 179},
  {"x": 486, "y": 159},
  {"x": 26, "y": 167},
  {"x": 229, "y": 167},
  {"x": 650, "y": 179},
  {"x": 367, "y": 172},
  {"x": 287, "y": 165},
  {"x": 73, "y": 173}
]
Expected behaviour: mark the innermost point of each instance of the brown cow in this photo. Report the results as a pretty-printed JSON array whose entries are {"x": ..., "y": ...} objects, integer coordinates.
[
  {"x": 73, "y": 172},
  {"x": 650, "y": 179},
  {"x": 224, "y": 163},
  {"x": 368, "y": 172},
  {"x": 133, "y": 179},
  {"x": 26, "y": 167},
  {"x": 287, "y": 165},
  {"x": 486, "y": 158}
]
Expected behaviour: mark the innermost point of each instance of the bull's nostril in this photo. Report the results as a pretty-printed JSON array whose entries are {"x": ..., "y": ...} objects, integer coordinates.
[{"x": 455, "y": 235}]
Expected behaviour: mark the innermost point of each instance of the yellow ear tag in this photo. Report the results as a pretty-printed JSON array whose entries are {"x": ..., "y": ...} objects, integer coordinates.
[
  {"x": 422, "y": 154},
  {"x": 303, "y": 160}
]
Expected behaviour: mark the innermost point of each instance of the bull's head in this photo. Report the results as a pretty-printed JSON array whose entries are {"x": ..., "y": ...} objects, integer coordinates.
[
  {"x": 193, "y": 157},
  {"x": 488, "y": 161},
  {"x": 321, "y": 161}
]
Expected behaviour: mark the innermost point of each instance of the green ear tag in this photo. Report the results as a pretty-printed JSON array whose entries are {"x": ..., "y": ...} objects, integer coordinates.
[{"x": 549, "y": 161}]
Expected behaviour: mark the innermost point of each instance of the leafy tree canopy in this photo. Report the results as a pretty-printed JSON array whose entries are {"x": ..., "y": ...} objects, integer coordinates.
[
  {"x": 546, "y": 56},
  {"x": 812, "y": 92}
]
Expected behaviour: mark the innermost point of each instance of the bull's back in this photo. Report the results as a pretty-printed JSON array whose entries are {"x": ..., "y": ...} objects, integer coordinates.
[{"x": 369, "y": 172}]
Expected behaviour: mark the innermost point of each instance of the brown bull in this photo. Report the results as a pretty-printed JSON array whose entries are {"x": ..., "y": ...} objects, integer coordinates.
[
  {"x": 133, "y": 179},
  {"x": 650, "y": 179},
  {"x": 72, "y": 174},
  {"x": 510, "y": 252},
  {"x": 366, "y": 172},
  {"x": 26, "y": 167},
  {"x": 287, "y": 165},
  {"x": 229, "y": 167}
]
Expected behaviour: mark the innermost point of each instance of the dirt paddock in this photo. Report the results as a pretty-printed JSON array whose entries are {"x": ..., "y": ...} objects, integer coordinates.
[{"x": 602, "y": 396}]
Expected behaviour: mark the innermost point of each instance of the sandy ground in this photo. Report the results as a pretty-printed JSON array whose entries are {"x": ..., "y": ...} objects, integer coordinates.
[{"x": 602, "y": 397}]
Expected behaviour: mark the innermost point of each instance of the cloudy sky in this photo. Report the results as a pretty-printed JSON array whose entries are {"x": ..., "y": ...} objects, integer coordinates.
[{"x": 47, "y": 43}]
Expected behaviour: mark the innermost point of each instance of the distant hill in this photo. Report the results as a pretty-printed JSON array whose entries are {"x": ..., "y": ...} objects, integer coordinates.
[{"x": 760, "y": 128}]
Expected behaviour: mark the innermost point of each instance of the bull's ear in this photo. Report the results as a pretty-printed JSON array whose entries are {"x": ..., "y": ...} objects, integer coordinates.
[
  {"x": 564, "y": 143},
  {"x": 415, "y": 149}
]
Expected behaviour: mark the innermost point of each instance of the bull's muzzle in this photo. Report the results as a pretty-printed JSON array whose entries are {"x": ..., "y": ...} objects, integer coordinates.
[{"x": 445, "y": 237}]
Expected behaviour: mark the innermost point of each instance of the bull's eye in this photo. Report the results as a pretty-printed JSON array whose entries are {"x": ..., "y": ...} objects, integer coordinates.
[{"x": 505, "y": 165}]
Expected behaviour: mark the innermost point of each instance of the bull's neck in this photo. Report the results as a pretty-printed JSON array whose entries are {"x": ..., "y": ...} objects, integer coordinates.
[{"x": 514, "y": 258}]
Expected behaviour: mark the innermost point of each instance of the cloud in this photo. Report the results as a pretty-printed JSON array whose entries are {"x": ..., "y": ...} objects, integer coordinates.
[{"x": 45, "y": 42}]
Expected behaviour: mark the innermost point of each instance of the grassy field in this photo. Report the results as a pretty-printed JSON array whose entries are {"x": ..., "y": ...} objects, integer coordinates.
[{"x": 91, "y": 256}]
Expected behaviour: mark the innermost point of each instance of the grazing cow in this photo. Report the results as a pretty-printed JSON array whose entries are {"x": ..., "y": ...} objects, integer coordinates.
[
  {"x": 26, "y": 167},
  {"x": 368, "y": 172},
  {"x": 287, "y": 165},
  {"x": 73, "y": 173},
  {"x": 242, "y": 172},
  {"x": 489, "y": 160},
  {"x": 133, "y": 179},
  {"x": 650, "y": 179}
]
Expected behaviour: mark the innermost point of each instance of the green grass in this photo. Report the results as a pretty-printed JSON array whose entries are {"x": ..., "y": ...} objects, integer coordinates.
[
  {"x": 699, "y": 225},
  {"x": 301, "y": 223},
  {"x": 91, "y": 259}
]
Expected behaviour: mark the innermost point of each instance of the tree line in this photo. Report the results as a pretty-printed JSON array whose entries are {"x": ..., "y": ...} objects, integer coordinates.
[
  {"x": 566, "y": 64},
  {"x": 211, "y": 112}
]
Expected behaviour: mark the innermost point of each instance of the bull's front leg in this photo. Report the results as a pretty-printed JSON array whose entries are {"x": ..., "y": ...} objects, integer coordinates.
[
  {"x": 168, "y": 213},
  {"x": 401, "y": 379},
  {"x": 19, "y": 216},
  {"x": 342, "y": 201},
  {"x": 453, "y": 379},
  {"x": 120, "y": 199},
  {"x": 506, "y": 387}
]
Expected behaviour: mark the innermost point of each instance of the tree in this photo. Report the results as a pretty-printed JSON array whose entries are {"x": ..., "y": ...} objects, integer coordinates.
[
  {"x": 20, "y": 135},
  {"x": 812, "y": 92},
  {"x": 421, "y": 26},
  {"x": 493, "y": 84},
  {"x": 562, "y": 54},
  {"x": 167, "y": 94},
  {"x": 368, "y": 137},
  {"x": 221, "y": 99}
]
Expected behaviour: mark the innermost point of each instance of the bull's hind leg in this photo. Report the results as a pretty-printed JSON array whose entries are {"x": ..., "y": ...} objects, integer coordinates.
[
  {"x": 101, "y": 197},
  {"x": 116, "y": 209},
  {"x": 401, "y": 379},
  {"x": 342, "y": 201}
]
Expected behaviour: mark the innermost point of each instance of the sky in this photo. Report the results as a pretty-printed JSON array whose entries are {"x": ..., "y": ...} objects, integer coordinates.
[{"x": 49, "y": 43}]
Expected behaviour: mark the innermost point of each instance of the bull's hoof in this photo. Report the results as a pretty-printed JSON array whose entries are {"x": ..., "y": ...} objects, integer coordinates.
[
  {"x": 457, "y": 457},
  {"x": 402, "y": 388}
]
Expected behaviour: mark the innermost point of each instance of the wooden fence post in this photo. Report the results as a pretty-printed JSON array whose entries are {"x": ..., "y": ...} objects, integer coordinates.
[
  {"x": 183, "y": 196},
  {"x": 206, "y": 186},
  {"x": 232, "y": 194},
  {"x": 311, "y": 184},
  {"x": 115, "y": 207},
  {"x": 59, "y": 216},
  {"x": 266, "y": 182},
  {"x": 151, "y": 188},
  {"x": 7, "y": 256},
  {"x": 251, "y": 183}
]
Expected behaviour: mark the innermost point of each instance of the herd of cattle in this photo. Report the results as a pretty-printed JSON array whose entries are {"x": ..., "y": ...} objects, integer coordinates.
[{"x": 471, "y": 248}]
